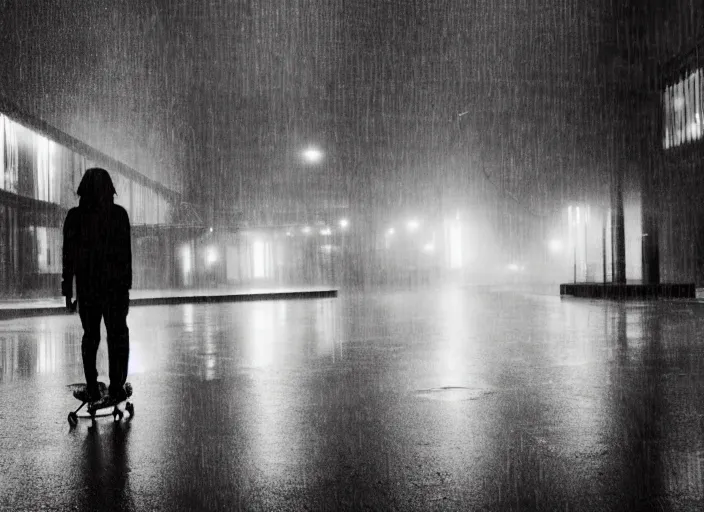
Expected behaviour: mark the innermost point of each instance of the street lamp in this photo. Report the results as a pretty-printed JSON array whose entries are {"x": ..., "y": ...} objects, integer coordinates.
[
  {"x": 344, "y": 223},
  {"x": 312, "y": 155},
  {"x": 555, "y": 246}
]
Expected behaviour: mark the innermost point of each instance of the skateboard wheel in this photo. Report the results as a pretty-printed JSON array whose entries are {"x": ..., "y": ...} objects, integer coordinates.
[
  {"x": 72, "y": 419},
  {"x": 129, "y": 408}
]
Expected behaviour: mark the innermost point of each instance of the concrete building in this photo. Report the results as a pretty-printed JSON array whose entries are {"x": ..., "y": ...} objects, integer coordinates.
[
  {"x": 657, "y": 64},
  {"x": 40, "y": 168}
]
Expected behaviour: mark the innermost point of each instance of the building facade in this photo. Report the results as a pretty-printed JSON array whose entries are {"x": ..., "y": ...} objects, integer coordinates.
[
  {"x": 662, "y": 49},
  {"x": 40, "y": 169}
]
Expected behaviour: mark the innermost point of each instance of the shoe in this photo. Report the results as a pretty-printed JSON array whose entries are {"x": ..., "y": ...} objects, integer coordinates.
[
  {"x": 117, "y": 396},
  {"x": 90, "y": 394}
]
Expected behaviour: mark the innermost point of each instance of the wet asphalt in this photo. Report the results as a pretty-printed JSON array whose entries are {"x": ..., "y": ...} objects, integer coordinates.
[{"x": 451, "y": 399}]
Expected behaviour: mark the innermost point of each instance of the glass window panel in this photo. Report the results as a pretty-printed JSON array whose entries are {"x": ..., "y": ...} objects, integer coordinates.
[
  {"x": 2, "y": 151},
  {"x": 673, "y": 120},
  {"x": 48, "y": 244},
  {"x": 122, "y": 189},
  {"x": 675, "y": 117},
  {"x": 150, "y": 206},
  {"x": 57, "y": 167},
  {"x": 26, "y": 160},
  {"x": 679, "y": 111},
  {"x": 164, "y": 210},
  {"x": 666, "y": 117},
  {"x": 689, "y": 108},
  {"x": 11, "y": 156},
  {"x": 41, "y": 168},
  {"x": 154, "y": 207},
  {"x": 79, "y": 170},
  {"x": 696, "y": 84},
  {"x": 683, "y": 110},
  {"x": 42, "y": 246},
  {"x": 685, "y": 95},
  {"x": 67, "y": 194},
  {"x": 137, "y": 203}
]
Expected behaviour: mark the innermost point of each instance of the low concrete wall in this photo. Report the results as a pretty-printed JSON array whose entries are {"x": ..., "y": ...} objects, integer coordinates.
[
  {"x": 629, "y": 291},
  {"x": 20, "y": 309}
]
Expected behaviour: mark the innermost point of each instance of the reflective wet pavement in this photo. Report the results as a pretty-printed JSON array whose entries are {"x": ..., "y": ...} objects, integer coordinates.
[{"x": 431, "y": 400}]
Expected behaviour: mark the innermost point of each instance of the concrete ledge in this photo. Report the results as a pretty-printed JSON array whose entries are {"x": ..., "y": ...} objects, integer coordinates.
[
  {"x": 20, "y": 310},
  {"x": 629, "y": 291},
  {"x": 234, "y": 297}
]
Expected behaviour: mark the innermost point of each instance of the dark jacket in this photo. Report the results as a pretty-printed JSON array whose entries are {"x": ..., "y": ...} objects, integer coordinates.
[{"x": 97, "y": 248}]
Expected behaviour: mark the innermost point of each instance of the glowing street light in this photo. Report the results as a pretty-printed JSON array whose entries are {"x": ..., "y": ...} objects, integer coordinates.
[
  {"x": 391, "y": 231},
  {"x": 326, "y": 232},
  {"x": 312, "y": 155},
  {"x": 306, "y": 230},
  {"x": 212, "y": 255},
  {"x": 555, "y": 246},
  {"x": 344, "y": 223},
  {"x": 412, "y": 225}
]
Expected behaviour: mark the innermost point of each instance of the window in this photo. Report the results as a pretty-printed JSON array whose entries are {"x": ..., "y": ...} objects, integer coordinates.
[
  {"x": 122, "y": 190},
  {"x": 151, "y": 212},
  {"x": 56, "y": 168},
  {"x": 138, "y": 209},
  {"x": 68, "y": 176},
  {"x": 163, "y": 213},
  {"x": 9, "y": 165},
  {"x": 682, "y": 111},
  {"x": 49, "y": 243},
  {"x": 2, "y": 151},
  {"x": 261, "y": 259},
  {"x": 41, "y": 172}
]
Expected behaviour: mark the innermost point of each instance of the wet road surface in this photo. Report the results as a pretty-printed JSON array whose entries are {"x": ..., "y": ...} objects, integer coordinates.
[{"x": 431, "y": 400}]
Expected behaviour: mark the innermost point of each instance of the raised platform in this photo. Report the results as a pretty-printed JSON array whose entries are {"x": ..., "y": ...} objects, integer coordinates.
[
  {"x": 55, "y": 306},
  {"x": 629, "y": 291}
]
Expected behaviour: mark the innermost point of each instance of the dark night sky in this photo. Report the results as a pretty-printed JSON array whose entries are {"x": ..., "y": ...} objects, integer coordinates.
[{"x": 216, "y": 97}]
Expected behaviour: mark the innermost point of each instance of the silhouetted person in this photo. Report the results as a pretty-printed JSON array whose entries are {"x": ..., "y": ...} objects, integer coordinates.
[{"x": 97, "y": 251}]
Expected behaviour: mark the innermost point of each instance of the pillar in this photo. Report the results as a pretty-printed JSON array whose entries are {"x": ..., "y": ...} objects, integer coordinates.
[{"x": 618, "y": 231}]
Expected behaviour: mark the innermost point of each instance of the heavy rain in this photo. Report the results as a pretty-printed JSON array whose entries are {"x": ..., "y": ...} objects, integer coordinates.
[{"x": 382, "y": 254}]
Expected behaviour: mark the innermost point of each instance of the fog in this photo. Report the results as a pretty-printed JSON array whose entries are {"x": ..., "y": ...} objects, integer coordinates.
[{"x": 483, "y": 125}]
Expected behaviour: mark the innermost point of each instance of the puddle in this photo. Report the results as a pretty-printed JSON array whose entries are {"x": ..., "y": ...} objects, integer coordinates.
[{"x": 453, "y": 393}]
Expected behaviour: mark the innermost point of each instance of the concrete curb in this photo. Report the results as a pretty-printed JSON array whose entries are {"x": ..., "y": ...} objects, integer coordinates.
[{"x": 25, "y": 312}]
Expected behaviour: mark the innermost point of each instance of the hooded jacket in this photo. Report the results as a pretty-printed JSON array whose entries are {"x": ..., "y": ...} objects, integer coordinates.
[{"x": 97, "y": 246}]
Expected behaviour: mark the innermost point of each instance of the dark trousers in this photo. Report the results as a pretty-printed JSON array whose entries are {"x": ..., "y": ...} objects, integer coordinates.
[{"x": 113, "y": 307}]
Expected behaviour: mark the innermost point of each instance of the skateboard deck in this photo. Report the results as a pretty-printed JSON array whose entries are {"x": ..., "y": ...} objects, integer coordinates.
[{"x": 100, "y": 408}]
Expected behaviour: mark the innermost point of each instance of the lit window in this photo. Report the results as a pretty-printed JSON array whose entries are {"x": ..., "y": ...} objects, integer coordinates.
[
  {"x": 2, "y": 151},
  {"x": 11, "y": 159},
  {"x": 261, "y": 259},
  {"x": 683, "y": 119},
  {"x": 41, "y": 175}
]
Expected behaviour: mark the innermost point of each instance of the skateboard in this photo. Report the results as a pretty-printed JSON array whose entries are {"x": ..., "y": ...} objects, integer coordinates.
[{"x": 102, "y": 404}]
